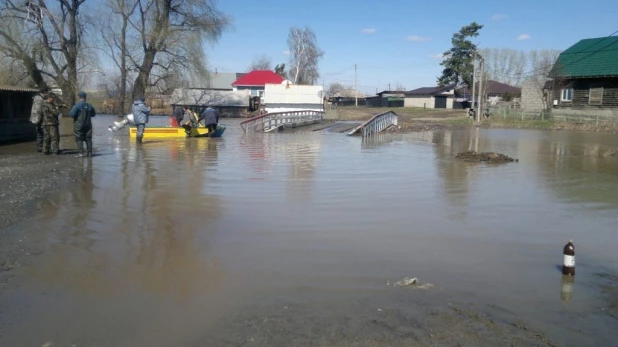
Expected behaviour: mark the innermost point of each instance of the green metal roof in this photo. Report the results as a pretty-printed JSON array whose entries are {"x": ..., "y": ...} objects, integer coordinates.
[{"x": 589, "y": 58}]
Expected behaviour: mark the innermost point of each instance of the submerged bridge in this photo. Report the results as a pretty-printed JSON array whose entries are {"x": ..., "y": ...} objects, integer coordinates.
[
  {"x": 376, "y": 124},
  {"x": 278, "y": 120}
]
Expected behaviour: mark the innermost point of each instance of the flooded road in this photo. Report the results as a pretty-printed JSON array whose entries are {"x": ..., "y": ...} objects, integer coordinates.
[{"x": 186, "y": 242}]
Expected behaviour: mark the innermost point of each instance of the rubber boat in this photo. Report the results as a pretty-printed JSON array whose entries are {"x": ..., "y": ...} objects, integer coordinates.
[{"x": 152, "y": 132}]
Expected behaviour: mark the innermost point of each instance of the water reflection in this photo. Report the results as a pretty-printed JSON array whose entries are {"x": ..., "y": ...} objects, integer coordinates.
[
  {"x": 145, "y": 227},
  {"x": 376, "y": 140}
]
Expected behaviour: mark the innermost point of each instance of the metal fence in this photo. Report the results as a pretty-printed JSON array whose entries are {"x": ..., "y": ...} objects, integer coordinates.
[{"x": 514, "y": 114}]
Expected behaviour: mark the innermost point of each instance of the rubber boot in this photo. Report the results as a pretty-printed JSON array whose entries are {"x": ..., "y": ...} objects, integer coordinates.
[
  {"x": 80, "y": 149},
  {"x": 138, "y": 140},
  {"x": 89, "y": 148}
]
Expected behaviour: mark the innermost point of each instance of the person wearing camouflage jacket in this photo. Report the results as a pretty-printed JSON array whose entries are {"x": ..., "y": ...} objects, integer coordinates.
[
  {"x": 51, "y": 134},
  {"x": 36, "y": 117}
]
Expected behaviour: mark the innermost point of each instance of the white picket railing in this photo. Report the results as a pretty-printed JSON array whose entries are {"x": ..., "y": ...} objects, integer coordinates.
[
  {"x": 376, "y": 124},
  {"x": 271, "y": 121}
]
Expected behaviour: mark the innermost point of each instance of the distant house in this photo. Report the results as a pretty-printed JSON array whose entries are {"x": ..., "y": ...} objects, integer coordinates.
[
  {"x": 15, "y": 106},
  {"x": 584, "y": 79},
  {"x": 284, "y": 98},
  {"x": 430, "y": 97},
  {"x": 255, "y": 81},
  {"x": 387, "y": 98},
  {"x": 493, "y": 89},
  {"x": 219, "y": 81}
]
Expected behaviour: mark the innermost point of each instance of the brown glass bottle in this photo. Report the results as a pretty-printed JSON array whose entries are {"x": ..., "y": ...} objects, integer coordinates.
[{"x": 568, "y": 264}]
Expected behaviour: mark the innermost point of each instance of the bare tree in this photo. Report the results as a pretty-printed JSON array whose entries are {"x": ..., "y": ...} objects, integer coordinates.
[
  {"x": 304, "y": 55},
  {"x": 336, "y": 89},
  {"x": 171, "y": 36},
  {"x": 399, "y": 87},
  {"x": 542, "y": 63},
  {"x": 505, "y": 65},
  {"x": 115, "y": 31},
  {"x": 47, "y": 39},
  {"x": 261, "y": 62}
]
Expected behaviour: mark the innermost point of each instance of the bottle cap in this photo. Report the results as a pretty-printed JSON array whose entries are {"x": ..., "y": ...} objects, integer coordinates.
[{"x": 570, "y": 241}]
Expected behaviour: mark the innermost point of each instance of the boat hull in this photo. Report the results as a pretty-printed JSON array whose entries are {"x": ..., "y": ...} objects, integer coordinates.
[{"x": 153, "y": 132}]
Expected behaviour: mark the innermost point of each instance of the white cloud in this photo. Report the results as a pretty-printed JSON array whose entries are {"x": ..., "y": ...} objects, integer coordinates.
[
  {"x": 437, "y": 56},
  {"x": 369, "y": 31},
  {"x": 415, "y": 38},
  {"x": 286, "y": 52},
  {"x": 498, "y": 16},
  {"x": 523, "y": 37}
]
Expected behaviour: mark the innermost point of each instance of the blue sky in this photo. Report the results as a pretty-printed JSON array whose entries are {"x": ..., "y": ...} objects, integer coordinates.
[{"x": 398, "y": 41}]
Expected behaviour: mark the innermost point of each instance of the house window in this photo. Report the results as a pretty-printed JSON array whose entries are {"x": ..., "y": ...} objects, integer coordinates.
[
  {"x": 567, "y": 94},
  {"x": 596, "y": 95}
]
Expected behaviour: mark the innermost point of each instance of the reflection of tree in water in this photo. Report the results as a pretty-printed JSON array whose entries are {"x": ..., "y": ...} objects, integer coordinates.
[
  {"x": 580, "y": 168},
  {"x": 258, "y": 149},
  {"x": 152, "y": 229}
]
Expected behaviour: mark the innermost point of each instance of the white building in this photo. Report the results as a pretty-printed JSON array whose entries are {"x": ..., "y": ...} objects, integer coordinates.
[{"x": 292, "y": 97}]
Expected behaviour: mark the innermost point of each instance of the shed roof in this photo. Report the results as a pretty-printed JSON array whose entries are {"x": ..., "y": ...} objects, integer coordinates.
[
  {"x": 258, "y": 78},
  {"x": 494, "y": 87},
  {"x": 429, "y": 90},
  {"x": 596, "y": 57},
  {"x": 218, "y": 80},
  {"x": 18, "y": 89},
  {"x": 200, "y": 97}
]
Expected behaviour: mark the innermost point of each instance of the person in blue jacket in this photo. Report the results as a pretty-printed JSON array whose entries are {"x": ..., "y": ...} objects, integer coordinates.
[
  {"x": 141, "y": 112},
  {"x": 211, "y": 119},
  {"x": 82, "y": 114}
]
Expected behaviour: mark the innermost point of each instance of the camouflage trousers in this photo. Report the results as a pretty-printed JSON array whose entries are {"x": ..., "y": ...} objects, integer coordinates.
[{"x": 51, "y": 136}]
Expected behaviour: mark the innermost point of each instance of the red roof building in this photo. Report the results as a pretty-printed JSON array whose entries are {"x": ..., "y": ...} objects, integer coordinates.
[{"x": 258, "y": 78}]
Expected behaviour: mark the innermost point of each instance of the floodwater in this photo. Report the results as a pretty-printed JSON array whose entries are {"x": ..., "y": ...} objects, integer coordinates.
[{"x": 160, "y": 245}]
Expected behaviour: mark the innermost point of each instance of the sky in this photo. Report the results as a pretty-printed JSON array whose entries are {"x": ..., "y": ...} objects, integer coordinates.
[{"x": 400, "y": 41}]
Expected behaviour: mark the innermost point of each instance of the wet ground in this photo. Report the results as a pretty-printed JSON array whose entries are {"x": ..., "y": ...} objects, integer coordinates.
[{"x": 290, "y": 238}]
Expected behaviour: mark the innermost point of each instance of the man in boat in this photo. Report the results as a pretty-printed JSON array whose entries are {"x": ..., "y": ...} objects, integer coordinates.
[
  {"x": 179, "y": 114},
  {"x": 82, "y": 114},
  {"x": 141, "y": 112},
  {"x": 211, "y": 119},
  {"x": 36, "y": 116}
]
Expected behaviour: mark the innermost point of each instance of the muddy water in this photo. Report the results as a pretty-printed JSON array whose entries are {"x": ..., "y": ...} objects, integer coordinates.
[{"x": 167, "y": 244}]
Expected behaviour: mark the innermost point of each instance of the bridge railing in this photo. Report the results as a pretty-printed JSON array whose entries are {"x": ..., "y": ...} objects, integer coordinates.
[
  {"x": 376, "y": 124},
  {"x": 271, "y": 121}
]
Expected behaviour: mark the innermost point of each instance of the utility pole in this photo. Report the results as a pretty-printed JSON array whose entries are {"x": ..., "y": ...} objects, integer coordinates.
[
  {"x": 481, "y": 98},
  {"x": 355, "y": 86},
  {"x": 389, "y": 87},
  {"x": 473, "y": 107}
]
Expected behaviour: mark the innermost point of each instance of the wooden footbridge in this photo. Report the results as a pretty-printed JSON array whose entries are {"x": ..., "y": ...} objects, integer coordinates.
[{"x": 376, "y": 124}]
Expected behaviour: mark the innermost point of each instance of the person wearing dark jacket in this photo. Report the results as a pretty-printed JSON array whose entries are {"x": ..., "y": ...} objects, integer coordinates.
[
  {"x": 82, "y": 113},
  {"x": 141, "y": 112},
  {"x": 179, "y": 114},
  {"x": 211, "y": 119}
]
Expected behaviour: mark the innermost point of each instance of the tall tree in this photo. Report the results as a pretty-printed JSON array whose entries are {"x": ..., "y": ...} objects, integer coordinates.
[
  {"x": 336, "y": 89},
  {"x": 171, "y": 37},
  {"x": 114, "y": 33},
  {"x": 304, "y": 55},
  {"x": 458, "y": 62},
  {"x": 47, "y": 38},
  {"x": 261, "y": 62}
]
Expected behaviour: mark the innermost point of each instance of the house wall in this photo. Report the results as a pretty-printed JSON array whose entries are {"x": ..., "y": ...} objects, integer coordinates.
[
  {"x": 253, "y": 90},
  {"x": 420, "y": 101},
  {"x": 581, "y": 93},
  {"x": 282, "y": 97}
]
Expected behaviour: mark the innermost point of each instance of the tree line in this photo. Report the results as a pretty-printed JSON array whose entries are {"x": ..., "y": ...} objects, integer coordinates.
[{"x": 151, "y": 43}]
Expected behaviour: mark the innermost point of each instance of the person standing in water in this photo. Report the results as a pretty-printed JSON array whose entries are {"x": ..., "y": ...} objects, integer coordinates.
[
  {"x": 82, "y": 114},
  {"x": 211, "y": 119},
  {"x": 51, "y": 136},
  {"x": 141, "y": 112}
]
